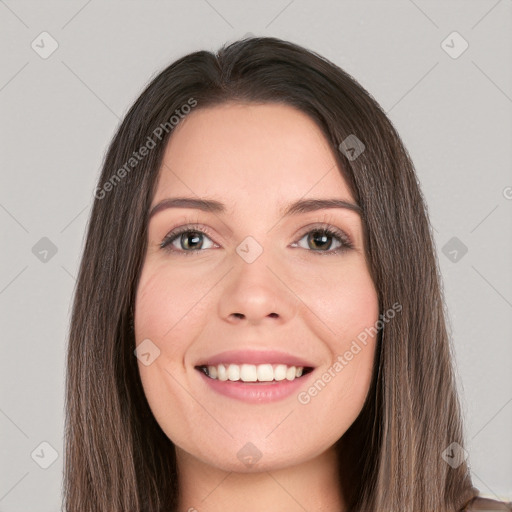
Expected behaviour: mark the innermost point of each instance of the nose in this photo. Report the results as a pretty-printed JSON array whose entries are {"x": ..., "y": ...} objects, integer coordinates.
[{"x": 256, "y": 293}]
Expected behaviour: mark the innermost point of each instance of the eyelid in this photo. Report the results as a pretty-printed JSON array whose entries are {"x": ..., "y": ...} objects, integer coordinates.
[{"x": 320, "y": 226}]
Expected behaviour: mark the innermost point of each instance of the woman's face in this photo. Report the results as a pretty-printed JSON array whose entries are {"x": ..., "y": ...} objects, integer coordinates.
[{"x": 259, "y": 293}]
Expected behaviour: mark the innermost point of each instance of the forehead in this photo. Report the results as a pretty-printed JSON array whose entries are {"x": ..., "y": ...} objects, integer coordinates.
[{"x": 249, "y": 153}]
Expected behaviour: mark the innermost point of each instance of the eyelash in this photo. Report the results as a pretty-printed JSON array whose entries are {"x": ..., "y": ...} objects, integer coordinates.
[{"x": 324, "y": 229}]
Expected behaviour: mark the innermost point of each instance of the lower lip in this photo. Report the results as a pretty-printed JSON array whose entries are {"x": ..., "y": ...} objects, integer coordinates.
[{"x": 256, "y": 392}]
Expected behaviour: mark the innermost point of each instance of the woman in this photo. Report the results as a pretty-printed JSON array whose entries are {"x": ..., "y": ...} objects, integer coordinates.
[{"x": 258, "y": 322}]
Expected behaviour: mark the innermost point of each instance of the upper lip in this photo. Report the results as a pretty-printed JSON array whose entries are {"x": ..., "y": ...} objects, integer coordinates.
[{"x": 254, "y": 357}]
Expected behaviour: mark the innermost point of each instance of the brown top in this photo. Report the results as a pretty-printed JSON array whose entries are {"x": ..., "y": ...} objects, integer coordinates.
[{"x": 487, "y": 505}]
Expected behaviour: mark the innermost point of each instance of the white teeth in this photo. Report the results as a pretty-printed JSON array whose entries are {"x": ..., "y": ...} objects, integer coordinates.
[
  {"x": 233, "y": 372},
  {"x": 248, "y": 373},
  {"x": 280, "y": 372},
  {"x": 265, "y": 372},
  {"x": 222, "y": 374},
  {"x": 254, "y": 373}
]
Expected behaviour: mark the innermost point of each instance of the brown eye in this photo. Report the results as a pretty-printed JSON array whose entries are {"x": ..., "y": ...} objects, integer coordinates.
[
  {"x": 191, "y": 240},
  {"x": 185, "y": 240},
  {"x": 320, "y": 240}
]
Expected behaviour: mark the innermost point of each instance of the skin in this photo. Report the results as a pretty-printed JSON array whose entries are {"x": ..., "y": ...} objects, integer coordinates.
[{"x": 256, "y": 159}]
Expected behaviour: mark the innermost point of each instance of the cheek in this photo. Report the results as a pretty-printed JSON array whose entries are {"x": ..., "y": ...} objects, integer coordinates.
[
  {"x": 353, "y": 315},
  {"x": 168, "y": 304},
  {"x": 168, "y": 312},
  {"x": 346, "y": 302},
  {"x": 342, "y": 295}
]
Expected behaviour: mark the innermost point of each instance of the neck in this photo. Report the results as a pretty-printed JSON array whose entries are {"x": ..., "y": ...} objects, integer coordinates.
[{"x": 311, "y": 485}]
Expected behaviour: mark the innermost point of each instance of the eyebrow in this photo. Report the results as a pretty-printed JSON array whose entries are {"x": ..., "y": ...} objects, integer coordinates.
[{"x": 213, "y": 206}]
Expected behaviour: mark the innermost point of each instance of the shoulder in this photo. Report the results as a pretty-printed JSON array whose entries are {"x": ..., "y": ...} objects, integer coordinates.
[{"x": 487, "y": 505}]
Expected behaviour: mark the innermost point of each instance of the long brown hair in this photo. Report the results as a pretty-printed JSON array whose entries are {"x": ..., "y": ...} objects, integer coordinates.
[{"x": 117, "y": 458}]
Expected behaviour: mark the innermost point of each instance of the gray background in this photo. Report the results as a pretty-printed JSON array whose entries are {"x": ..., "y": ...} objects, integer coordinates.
[{"x": 59, "y": 113}]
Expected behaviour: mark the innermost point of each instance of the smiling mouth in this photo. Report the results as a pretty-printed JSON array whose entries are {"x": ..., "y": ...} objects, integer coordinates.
[{"x": 254, "y": 374}]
